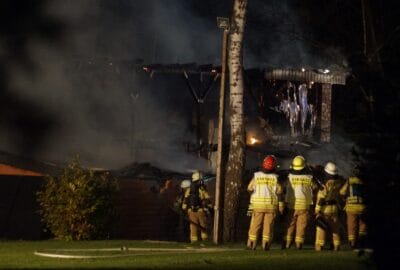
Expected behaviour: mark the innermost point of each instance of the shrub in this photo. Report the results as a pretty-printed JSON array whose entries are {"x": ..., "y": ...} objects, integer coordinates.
[{"x": 80, "y": 204}]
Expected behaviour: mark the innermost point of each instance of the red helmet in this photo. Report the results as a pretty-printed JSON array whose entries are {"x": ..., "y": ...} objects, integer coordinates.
[{"x": 269, "y": 163}]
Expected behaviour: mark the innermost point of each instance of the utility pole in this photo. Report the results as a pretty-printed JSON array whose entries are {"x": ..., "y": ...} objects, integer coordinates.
[{"x": 222, "y": 23}]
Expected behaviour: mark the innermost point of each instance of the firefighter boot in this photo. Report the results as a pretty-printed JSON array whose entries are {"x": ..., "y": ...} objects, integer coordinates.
[
  {"x": 288, "y": 244},
  {"x": 318, "y": 247},
  {"x": 251, "y": 244},
  {"x": 361, "y": 242},
  {"x": 352, "y": 244},
  {"x": 299, "y": 246},
  {"x": 265, "y": 245}
]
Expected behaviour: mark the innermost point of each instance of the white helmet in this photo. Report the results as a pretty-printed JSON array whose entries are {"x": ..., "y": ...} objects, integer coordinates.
[
  {"x": 185, "y": 184},
  {"x": 196, "y": 176},
  {"x": 330, "y": 168}
]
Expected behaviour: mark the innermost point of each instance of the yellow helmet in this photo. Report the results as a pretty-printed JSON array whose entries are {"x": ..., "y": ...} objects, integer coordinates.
[
  {"x": 196, "y": 176},
  {"x": 298, "y": 163}
]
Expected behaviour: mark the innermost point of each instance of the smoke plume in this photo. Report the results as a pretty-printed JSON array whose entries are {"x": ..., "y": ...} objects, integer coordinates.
[{"x": 96, "y": 101}]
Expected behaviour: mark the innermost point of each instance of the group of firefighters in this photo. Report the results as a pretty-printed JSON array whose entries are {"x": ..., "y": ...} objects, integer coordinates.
[{"x": 296, "y": 195}]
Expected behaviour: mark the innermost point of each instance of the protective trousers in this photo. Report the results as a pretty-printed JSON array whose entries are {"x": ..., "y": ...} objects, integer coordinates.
[
  {"x": 356, "y": 227},
  {"x": 296, "y": 221},
  {"x": 332, "y": 221},
  {"x": 261, "y": 218},
  {"x": 198, "y": 221}
]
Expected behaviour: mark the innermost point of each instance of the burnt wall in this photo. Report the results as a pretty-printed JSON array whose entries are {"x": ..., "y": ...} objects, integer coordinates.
[{"x": 145, "y": 212}]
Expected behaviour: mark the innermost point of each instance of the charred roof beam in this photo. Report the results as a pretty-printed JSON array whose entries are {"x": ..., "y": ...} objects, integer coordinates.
[
  {"x": 189, "y": 68},
  {"x": 302, "y": 75}
]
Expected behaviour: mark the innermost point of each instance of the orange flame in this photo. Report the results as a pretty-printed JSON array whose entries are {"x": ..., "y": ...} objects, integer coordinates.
[{"x": 253, "y": 140}]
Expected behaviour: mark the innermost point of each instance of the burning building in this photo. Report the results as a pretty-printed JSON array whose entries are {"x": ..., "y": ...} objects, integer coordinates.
[
  {"x": 307, "y": 103},
  {"x": 283, "y": 106}
]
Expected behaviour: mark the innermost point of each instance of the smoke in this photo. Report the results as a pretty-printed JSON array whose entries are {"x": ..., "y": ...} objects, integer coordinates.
[
  {"x": 185, "y": 37},
  {"x": 339, "y": 151},
  {"x": 105, "y": 109},
  {"x": 286, "y": 39}
]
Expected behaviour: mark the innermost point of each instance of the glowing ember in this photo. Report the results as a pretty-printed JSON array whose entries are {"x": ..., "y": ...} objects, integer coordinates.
[{"x": 253, "y": 140}]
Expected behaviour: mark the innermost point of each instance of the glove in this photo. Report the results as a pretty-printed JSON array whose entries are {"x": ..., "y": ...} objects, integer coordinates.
[
  {"x": 322, "y": 201},
  {"x": 184, "y": 207},
  {"x": 249, "y": 212},
  {"x": 281, "y": 210}
]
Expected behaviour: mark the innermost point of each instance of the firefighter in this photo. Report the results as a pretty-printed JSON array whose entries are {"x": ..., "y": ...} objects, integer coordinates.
[
  {"x": 183, "y": 225},
  {"x": 185, "y": 184},
  {"x": 326, "y": 209},
  {"x": 265, "y": 201},
  {"x": 197, "y": 203},
  {"x": 299, "y": 190},
  {"x": 354, "y": 192}
]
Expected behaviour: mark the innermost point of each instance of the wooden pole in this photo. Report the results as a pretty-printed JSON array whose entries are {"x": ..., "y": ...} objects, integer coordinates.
[
  {"x": 217, "y": 206},
  {"x": 326, "y": 108}
]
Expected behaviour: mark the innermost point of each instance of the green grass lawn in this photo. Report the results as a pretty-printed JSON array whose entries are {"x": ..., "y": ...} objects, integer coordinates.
[{"x": 20, "y": 254}]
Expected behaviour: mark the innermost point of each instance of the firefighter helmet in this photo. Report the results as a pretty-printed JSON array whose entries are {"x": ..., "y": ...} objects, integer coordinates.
[
  {"x": 298, "y": 163},
  {"x": 269, "y": 163},
  {"x": 185, "y": 184},
  {"x": 196, "y": 176},
  {"x": 330, "y": 168}
]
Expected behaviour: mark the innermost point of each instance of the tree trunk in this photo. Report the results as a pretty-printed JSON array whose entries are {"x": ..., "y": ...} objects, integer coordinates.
[{"x": 235, "y": 165}]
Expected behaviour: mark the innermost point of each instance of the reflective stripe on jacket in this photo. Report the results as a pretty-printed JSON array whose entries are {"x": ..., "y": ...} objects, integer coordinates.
[
  {"x": 203, "y": 196},
  {"x": 265, "y": 189},
  {"x": 299, "y": 191},
  {"x": 328, "y": 197},
  {"x": 354, "y": 192}
]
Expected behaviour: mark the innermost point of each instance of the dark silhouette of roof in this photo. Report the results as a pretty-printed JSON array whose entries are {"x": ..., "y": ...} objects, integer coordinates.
[{"x": 26, "y": 163}]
